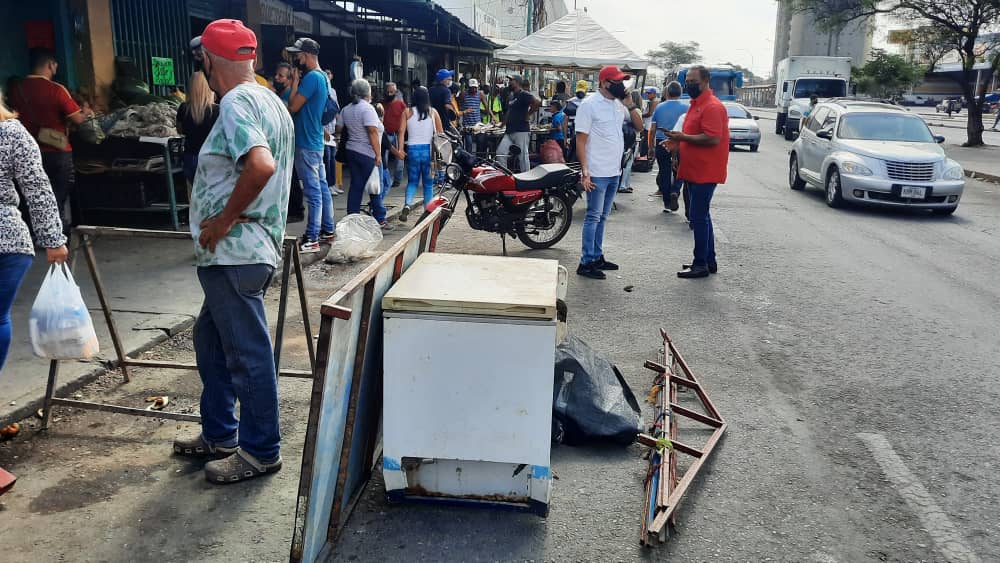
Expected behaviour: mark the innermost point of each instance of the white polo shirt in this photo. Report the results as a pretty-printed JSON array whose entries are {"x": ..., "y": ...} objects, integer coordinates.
[{"x": 602, "y": 119}]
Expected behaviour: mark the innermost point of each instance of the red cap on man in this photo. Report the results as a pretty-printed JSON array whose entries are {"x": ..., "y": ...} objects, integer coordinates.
[
  {"x": 231, "y": 40},
  {"x": 612, "y": 73}
]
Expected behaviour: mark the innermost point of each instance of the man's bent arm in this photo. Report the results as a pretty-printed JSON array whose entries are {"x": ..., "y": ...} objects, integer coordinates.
[{"x": 258, "y": 167}]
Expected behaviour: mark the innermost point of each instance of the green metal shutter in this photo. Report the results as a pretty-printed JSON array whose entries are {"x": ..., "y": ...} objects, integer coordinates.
[{"x": 153, "y": 28}]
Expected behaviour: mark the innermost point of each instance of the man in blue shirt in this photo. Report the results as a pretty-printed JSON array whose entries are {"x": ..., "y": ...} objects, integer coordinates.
[
  {"x": 307, "y": 102},
  {"x": 664, "y": 119}
]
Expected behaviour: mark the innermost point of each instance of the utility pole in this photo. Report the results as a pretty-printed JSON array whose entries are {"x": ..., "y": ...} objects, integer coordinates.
[{"x": 531, "y": 17}]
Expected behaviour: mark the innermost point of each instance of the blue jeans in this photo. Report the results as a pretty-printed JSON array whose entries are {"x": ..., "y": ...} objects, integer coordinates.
[
  {"x": 190, "y": 162},
  {"x": 626, "y": 181},
  {"x": 701, "y": 224},
  {"x": 599, "y": 202},
  {"x": 330, "y": 164},
  {"x": 235, "y": 361},
  {"x": 312, "y": 173},
  {"x": 418, "y": 165},
  {"x": 360, "y": 167},
  {"x": 394, "y": 165},
  {"x": 12, "y": 270}
]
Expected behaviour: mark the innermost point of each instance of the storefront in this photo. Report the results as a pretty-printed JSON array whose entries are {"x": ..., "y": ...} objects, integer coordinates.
[{"x": 45, "y": 24}]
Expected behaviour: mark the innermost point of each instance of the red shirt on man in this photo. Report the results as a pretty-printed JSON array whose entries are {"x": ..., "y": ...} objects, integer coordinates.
[
  {"x": 41, "y": 102},
  {"x": 702, "y": 164},
  {"x": 393, "y": 120}
]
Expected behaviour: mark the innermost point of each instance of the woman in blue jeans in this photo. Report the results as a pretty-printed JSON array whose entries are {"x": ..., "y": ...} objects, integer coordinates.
[
  {"x": 364, "y": 149},
  {"x": 22, "y": 162},
  {"x": 420, "y": 123}
]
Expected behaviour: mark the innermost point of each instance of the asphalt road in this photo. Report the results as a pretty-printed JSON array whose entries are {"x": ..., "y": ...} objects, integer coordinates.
[{"x": 853, "y": 353}]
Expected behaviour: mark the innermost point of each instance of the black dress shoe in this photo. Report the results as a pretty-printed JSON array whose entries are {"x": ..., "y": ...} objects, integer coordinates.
[
  {"x": 694, "y": 273},
  {"x": 590, "y": 271},
  {"x": 602, "y": 264},
  {"x": 712, "y": 268}
]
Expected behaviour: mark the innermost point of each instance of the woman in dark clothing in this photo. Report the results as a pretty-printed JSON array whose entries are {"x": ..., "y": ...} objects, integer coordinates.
[{"x": 195, "y": 119}]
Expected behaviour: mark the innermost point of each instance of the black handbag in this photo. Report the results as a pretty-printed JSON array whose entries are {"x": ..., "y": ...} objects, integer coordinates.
[{"x": 341, "y": 155}]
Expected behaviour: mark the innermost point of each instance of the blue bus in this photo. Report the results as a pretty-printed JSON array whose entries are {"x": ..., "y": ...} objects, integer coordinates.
[{"x": 725, "y": 80}]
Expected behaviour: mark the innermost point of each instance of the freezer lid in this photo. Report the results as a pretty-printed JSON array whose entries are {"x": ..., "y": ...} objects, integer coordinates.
[{"x": 477, "y": 285}]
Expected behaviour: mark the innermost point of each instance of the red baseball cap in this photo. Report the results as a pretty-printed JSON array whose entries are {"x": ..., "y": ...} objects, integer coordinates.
[
  {"x": 612, "y": 73},
  {"x": 231, "y": 40}
]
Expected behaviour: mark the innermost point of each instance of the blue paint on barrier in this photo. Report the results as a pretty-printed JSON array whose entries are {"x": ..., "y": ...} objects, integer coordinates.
[
  {"x": 391, "y": 464},
  {"x": 540, "y": 472}
]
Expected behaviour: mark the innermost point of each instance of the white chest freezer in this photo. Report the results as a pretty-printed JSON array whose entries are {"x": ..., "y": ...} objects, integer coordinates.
[{"x": 469, "y": 348}]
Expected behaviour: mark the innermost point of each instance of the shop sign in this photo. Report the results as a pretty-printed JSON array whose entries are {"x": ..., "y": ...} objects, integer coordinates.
[
  {"x": 275, "y": 12},
  {"x": 163, "y": 71},
  {"x": 303, "y": 22}
]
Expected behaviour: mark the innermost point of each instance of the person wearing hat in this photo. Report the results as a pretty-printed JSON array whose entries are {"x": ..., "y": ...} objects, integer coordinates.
[
  {"x": 442, "y": 100},
  {"x": 600, "y": 145},
  {"x": 518, "y": 129},
  {"x": 652, "y": 100},
  {"x": 472, "y": 101},
  {"x": 238, "y": 216},
  {"x": 306, "y": 102}
]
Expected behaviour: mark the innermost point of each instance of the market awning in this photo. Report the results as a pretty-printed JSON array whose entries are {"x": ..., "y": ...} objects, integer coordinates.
[{"x": 573, "y": 41}]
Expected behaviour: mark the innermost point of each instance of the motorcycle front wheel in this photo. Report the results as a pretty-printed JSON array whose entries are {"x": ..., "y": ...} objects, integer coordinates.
[{"x": 543, "y": 228}]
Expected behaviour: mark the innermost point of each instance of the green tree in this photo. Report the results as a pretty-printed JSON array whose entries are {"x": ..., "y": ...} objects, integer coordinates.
[
  {"x": 670, "y": 54},
  {"x": 947, "y": 28},
  {"x": 886, "y": 75}
]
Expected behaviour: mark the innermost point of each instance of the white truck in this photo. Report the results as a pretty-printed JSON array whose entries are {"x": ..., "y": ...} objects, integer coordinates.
[{"x": 798, "y": 78}]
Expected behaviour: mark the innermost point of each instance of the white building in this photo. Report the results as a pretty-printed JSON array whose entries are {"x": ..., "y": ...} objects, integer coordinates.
[
  {"x": 505, "y": 21},
  {"x": 796, "y": 34}
]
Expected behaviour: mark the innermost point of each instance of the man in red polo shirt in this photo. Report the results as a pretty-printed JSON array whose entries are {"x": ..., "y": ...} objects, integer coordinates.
[
  {"x": 44, "y": 104},
  {"x": 704, "y": 146},
  {"x": 394, "y": 107}
]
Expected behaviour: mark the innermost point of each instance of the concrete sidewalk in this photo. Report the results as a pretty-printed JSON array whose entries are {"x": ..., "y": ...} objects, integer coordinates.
[{"x": 154, "y": 293}]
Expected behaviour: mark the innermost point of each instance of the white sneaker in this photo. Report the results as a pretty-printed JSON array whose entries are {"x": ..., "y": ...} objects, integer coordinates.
[{"x": 335, "y": 190}]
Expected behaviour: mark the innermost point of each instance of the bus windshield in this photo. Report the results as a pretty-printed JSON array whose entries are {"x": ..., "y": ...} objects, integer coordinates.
[
  {"x": 824, "y": 88},
  {"x": 723, "y": 86}
]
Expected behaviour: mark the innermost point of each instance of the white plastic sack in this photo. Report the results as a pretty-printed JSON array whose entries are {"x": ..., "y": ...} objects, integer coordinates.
[
  {"x": 374, "y": 185},
  {"x": 358, "y": 237},
  {"x": 60, "y": 325}
]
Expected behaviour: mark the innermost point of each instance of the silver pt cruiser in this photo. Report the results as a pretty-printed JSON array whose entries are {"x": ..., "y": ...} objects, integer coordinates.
[{"x": 874, "y": 154}]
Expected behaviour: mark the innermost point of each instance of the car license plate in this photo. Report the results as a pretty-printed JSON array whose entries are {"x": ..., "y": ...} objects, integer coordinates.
[{"x": 913, "y": 192}]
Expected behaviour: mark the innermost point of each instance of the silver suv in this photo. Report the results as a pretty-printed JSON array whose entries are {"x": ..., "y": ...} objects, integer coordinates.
[{"x": 875, "y": 154}]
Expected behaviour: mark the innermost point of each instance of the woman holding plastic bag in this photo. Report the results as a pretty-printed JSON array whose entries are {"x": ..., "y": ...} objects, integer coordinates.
[
  {"x": 364, "y": 151},
  {"x": 21, "y": 161}
]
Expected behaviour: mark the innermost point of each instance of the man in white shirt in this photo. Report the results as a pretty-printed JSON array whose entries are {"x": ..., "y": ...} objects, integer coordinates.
[{"x": 600, "y": 144}]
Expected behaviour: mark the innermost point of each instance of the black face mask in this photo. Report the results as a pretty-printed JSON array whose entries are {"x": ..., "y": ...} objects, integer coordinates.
[
  {"x": 279, "y": 87},
  {"x": 693, "y": 89},
  {"x": 302, "y": 67},
  {"x": 617, "y": 89}
]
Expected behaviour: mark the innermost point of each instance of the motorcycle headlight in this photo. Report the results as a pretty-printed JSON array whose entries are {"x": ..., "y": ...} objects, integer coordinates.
[
  {"x": 453, "y": 172},
  {"x": 856, "y": 168},
  {"x": 953, "y": 171}
]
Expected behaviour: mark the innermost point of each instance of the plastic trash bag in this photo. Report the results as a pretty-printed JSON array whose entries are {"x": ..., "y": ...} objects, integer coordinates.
[
  {"x": 591, "y": 400},
  {"x": 60, "y": 325},
  {"x": 374, "y": 184},
  {"x": 358, "y": 236}
]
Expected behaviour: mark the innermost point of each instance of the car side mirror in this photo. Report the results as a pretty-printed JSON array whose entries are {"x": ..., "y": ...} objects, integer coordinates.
[
  {"x": 825, "y": 134},
  {"x": 756, "y": 118},
  {"x": 939, "y": 138}
]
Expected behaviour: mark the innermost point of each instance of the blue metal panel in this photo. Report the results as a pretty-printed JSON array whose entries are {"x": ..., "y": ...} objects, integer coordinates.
[{"x": 153, "y": 28}]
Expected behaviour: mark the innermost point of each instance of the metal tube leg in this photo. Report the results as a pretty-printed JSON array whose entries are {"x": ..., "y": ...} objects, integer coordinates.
[
  {"x": 279, "y": 329},
  {"x": 304, "y": 306},
  {"x": 50, "y": 390},
  {"x": 88, "y": 251}
]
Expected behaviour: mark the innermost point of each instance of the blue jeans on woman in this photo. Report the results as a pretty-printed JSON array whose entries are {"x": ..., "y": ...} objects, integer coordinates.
[
  {"x": 360, "y": 167},
  {"x": 418, "y": 166},
  {"x": 12, "y": 270},
  {"x": 701, "y": 224},
  {"x": 233, "y": 350},
  {"x": 312, "y": 173},
  {"x": 599, "y": 202}
]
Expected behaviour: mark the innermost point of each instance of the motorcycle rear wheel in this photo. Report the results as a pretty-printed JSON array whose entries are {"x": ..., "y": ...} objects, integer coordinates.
[{"x": 561, "y": 216}]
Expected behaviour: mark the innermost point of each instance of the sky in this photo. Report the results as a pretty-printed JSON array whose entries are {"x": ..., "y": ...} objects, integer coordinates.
[{"x": 737, "y": 31}]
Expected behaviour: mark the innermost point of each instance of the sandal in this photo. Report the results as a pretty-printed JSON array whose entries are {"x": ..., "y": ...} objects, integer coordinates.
[
  {"x": 199, "y": 447},
  {"x": 238, "y": 467}
]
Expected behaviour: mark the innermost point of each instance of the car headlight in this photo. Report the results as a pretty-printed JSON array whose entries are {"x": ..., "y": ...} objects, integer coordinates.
[
  {"x": 856, "y": 168},
  {"x": 794, "y": 113},
  {"x": 953, "y": 171},
  {"x": 453, "y": 172}
]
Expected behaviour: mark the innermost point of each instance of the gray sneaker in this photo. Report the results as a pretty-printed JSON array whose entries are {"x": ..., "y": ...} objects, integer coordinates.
[
  {"x": 238, "y": 467},
  {"x": 199, "y": 447}
]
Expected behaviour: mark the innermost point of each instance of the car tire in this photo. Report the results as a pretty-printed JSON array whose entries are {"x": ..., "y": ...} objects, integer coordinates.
[
  {"x": 794, "y": 180},
  {"x": 944, "y": 210},
  {"x": 753, "y": 148},
  {"x": 779, "y": 124},
  {"x": 789, "y": 134},
  {"x": 834, "y": 197}
]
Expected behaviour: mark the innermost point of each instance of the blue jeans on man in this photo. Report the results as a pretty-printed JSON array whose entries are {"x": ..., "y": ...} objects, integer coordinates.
[
  {"x": 701, "y": 224},
  {"x": 235, "y": 361},
  {"x": 311, "y": 171},
  {"x": 599, "y": 203}
]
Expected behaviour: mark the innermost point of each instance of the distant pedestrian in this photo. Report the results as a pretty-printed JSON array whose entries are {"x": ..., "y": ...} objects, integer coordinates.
[
  {"x": 704, "y": 151},
  {"x": 394, "y": 108},
  {"x": 560, "y": 95},
  {"x": 600, "y": 145},
  {"x": 420, "y": 123},
  {"x": 813, "y": 100},
  {"x": 282, "y": 81},
  {"x": 330, "y": 143},
  {"x": 364, "y": 149},
  {"x": 282, "y": 86},
  {"x": 471, "y": 102},
  {"x": 490, "y": 110},
  {"x": 195, "y": 119},
  {"x": 307, "y": 102},
  {"x": 652, "y": 100},
  {"x": 572, "y": 105},
  {"x": 996, "y": 121},
  {"x": 523, "y": 105},
  {"x": 21, "y": 163},
  {"x": 442, "y": 99},
  {"x": 238, "y": 223},
  {"x": 664, "y": 118},
  {"x": 558, "y": 133}
]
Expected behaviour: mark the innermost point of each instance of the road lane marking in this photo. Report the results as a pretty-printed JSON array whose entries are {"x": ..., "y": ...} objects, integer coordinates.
[{"x": 943, "y": 532}]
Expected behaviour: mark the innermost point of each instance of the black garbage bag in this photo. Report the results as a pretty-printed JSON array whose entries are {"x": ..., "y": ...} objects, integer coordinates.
[{"x": 591, "y": 400}]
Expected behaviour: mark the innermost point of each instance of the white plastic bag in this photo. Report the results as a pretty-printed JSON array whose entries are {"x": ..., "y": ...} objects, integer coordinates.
[
  {"x": 60, "y": 325},
  {"x": 358, "y": 237},
  {"x": 374, "y": 185}
]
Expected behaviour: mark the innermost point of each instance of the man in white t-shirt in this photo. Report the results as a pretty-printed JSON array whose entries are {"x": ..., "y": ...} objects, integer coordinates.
[{"x": 600, "y": 144}]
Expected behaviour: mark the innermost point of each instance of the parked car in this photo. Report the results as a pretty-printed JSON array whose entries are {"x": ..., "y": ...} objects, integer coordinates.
[
  {"x": 875, "y": 154},
  {"x": 743, "y": 128}
]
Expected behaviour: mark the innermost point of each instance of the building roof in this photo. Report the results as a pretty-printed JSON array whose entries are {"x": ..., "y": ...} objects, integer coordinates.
[{"x": 439, "y": 25}]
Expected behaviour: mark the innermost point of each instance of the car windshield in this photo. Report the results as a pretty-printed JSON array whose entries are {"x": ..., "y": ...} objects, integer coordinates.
[
  {"x": 884, "y": 127},
  {"x": 805, "y": 87},
  {"x": 737, "y": 111}
]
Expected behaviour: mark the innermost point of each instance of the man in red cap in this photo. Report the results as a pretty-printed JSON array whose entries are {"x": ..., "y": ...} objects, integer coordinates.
[
  {"x": 238, "y": 210},
  {"x": 600, "y": 144}
]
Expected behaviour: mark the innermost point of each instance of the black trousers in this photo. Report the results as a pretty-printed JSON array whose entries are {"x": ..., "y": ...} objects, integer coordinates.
[{"x": 62, "y": 175}]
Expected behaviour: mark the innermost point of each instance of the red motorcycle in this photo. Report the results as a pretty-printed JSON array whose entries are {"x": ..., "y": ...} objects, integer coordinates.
[{"x": 535, "y": 206}]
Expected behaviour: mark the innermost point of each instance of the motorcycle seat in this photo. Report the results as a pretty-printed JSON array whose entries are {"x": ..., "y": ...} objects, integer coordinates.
[{"x": 542, "y": 176}]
